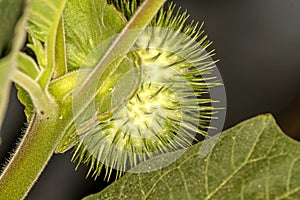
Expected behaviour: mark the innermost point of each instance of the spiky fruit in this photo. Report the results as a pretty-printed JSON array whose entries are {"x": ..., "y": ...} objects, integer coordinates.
[
  {"x": 154, "y": 99},
  {"x": 169, "y": 108}
]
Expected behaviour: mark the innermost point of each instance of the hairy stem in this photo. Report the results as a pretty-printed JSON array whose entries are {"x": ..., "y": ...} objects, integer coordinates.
[
  {"x": 30, "y": 158},
  {"x": 121, "y": 45},
  {"x": 39, "y": 97}
]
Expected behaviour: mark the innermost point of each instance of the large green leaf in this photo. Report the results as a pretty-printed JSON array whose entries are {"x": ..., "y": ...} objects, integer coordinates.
[
  {"x": 253, "y": 160},
  {"x": 10, "y": 13},
  {"x": 11, "y": 37}
]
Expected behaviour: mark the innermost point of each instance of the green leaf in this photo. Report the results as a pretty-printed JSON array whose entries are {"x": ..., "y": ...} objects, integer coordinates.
[
  {"x": 87, "y": 24},
  {"x": 43, "y": 24},
  {"x": 25, "y": 99},
  {"x": 42, "y": 15},
  {"x": 11, "y": 38},
  {"x": 10, "y": 14},
  {"x": 253, "y": 160},
  {"x": 28, "y": 66}
]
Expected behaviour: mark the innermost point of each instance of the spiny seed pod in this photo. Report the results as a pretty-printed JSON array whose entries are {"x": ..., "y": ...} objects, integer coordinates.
[{"x": 169, "y": 105}]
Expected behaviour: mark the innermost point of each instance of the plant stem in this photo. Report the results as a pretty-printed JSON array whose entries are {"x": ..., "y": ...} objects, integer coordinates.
[
  {"x": 37, "y": 146},
  {"x": 39, "y": 97},
  {"x": 30, "y": 158},
  {"x": 121, "y": 45}
]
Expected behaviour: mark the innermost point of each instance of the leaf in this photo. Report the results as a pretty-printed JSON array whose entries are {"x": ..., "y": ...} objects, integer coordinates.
[
  {"x": 87, "y": 24},
  {"x": 43, "y": 25},
  {"x": 37, "y": 49},
  {"x": 11, "y": 38},
  {"x": 253, "y": 160},
  {"x": 10, "y": 14},
  {"x": 27, "y": 65},
  {"x": 42, "y": 15}
]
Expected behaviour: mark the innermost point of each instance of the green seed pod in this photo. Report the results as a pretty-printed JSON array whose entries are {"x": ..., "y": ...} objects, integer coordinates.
[{"x": 157, "y": 100}]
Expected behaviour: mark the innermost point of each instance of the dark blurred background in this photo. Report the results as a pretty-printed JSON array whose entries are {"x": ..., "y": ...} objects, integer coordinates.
[{"x": 258, "y": 44}]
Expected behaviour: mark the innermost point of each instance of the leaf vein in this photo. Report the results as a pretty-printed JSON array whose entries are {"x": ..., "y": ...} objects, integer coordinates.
[
  {"x": 185, "y": 183},
  {"x": 242, "y": 165}
]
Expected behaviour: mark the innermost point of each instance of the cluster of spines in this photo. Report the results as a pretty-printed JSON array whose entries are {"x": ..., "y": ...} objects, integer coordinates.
[{"x": 173, "y": 20}]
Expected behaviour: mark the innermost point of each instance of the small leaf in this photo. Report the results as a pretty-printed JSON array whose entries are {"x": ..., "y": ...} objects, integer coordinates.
[
  {"x": 42, "y": 15},
  {"x": 62, "y": 87},
  {"x": 37, "y": 48},
  {"x": 253, "y": 160},
  {"x": 43, "y": 24},
  {"x": 25, "y": 99},
  {"x": 11, "y": 38},
  {"x": 27, "y": 65}
]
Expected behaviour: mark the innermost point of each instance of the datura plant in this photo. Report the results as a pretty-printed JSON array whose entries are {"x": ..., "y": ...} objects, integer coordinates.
[{"x": 117, "y": 81}]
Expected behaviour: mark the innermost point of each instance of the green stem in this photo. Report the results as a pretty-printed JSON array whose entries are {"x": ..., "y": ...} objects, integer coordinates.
[
  {"x": 39, "y": 97},
  {"x": 30, "y": 158},
  {"x": 37, "y": 146},
  {"x": 121, "y": 45}
]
